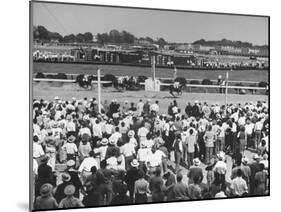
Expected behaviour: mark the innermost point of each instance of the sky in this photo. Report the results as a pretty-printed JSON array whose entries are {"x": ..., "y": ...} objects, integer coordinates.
[{"x": 173, "y": 26}]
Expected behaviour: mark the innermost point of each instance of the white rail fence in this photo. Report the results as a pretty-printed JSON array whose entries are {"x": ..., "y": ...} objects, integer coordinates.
[{"x": 161, "y": 84}]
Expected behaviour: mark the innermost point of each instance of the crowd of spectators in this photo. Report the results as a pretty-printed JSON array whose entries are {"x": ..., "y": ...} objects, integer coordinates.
[{"x": 132, "y": 153}]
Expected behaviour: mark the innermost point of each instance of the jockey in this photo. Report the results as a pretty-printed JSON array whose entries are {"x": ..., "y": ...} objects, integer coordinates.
[
  {"x": 85, "y": 78},
  {"x": 219, "y": 80},
  {"x": 176, "y": 84}
]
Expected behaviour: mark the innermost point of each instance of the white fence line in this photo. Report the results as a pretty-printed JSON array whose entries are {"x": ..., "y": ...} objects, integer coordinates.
[
  {"x": 64, "y": 80},
  {"x": 214, "y": 86},
  {"x": 168, "y": 78},
  {"x": 161, "y": 84}
]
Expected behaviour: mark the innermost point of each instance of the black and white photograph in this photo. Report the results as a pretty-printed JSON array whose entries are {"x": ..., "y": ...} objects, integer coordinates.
[{"x": 135, "y": 105}]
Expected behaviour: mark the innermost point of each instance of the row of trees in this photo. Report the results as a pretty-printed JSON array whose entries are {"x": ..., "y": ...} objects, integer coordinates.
[
  {"x": 42, "y": 34},
  {"x": 114, "y": 36},
  {"x": 225, "y": 42}
]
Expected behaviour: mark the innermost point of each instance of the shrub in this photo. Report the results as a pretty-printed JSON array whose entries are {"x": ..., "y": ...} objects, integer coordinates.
[
  {"x": 194, "y": 82},
  {"x": 206, "y": 82},
  {"x": 142, "y": 78},
  {"x": 262, "y": 84},
  {"x": 109, "y": 77},
  {"x": 50, "y": 76},
  {"x": 40, "y": 75},
  {"x": 60, "y": 76},
  {"x": 181, "y": 80}
]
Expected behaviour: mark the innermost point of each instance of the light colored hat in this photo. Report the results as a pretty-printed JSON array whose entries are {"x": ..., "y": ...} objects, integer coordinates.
[
  {"x": 221, "y": 155},
  {"x": 112, "y": 141},
  {"x": 256, "y": 157},
  {"x": 69, "y": 190},
  {"x": 46, "y": 190},
  {"x": 57, "y": 98},
  {"x": 135, "y": 163},
  {"x": 245, "y": 160},
  {"x": 142, "y": 145},
  {"x": 131, "y": 133},
  {"x": 71, "y": 139},
  {"x": 65, "y": 177},
  {"x": 265, "y": 156},
  {"x": 196, "y": 101},
  {"x": 104, "y": 141},
  {"x": 196, "y": 162},
  {"x": 70, "y": 163}
]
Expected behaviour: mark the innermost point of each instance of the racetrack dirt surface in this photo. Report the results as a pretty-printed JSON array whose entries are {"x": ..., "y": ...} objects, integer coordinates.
[{"x": 66, "y": 91}]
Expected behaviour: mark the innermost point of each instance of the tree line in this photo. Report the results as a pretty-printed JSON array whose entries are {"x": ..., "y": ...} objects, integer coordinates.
[
  {"x": 114, "y": 36},
  {"x": 225, "y": 42}
]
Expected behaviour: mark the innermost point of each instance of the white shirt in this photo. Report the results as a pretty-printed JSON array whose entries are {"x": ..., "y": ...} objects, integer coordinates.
[
  {"x": 127, "y": 149},
  {"x": 220, "y": 167},
  {"x": 35, "y": 167},
  {"x": 87, "y": 164},
  {"x": 70, "y": 148},
  {"x": 143, "y": 154},
  {"x": 142, "y": 132},
  {"x": 97, "y": 130},
  {"x": 249, "y": 128},
  {"x": 109, "y": 129},
  {"x": 155, "y": 159},
  {"x": 70, "y": 126},
  {"x": 154, "y": 107},
  {"x": 115, "y": 136},
  {"x": 102, "y": 151},
  {"x": 37, "y": 150},
  {"x": 112, "y": 163},
  {"x": 85, "y": 130}
]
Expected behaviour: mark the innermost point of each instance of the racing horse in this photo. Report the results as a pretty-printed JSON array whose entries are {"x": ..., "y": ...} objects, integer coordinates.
[
  {"x": 85, "y": 81},
  {"x": 176, "y": 87}
]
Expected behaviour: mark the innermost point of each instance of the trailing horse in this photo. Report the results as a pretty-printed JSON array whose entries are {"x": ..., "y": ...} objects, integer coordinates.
[{"x": 178, "y": 90}]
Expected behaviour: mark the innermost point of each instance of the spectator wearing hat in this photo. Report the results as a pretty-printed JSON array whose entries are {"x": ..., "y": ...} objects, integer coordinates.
[
  {"x": 70, "y": 201},
  {"x": 209, "y": 139},
  {"x": 131, "y": 177},
  {"x": 180, "y": 190},
  {"x": 104, "y": 182},
  {"x": 195, "y": 171},
  {"x": 102, "y": 150},
  {"x": 191, "y": 142},
  {"x": 255, "y": 167},
  {"x": 74, "y": 177},
  {"x": 156, "y": 184},
  {"x": 246, "y": 170},
  {"x": 238, "y": 185},
  {"x": 241, "y": 137},
  {"x": 59, "y": 192},
  {"x": 45, "y": 175},
  {"x": 141, "y": 188},
  {"x": 91, "y": 197},
  {"x": 70, "y": 148},
  {"x": 46, "y": 200},
  {"x": 38, "y": 151},
  {"x": 178, "y": 149},
  {"x": 51, "y": 152},
  {"x": 86, "y": 165},
  {"x": 84, "y": 148},
  {"x": 220, "y": 167},
  {"x": 194, "y": 189},
  {"x": 261, "y": 179},
  {"x": 128, "y": 150}
]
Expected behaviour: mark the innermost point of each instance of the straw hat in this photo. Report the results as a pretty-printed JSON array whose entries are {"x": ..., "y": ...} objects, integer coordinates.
[
  {"x": 131, "y": 133},
  {"x": 221, "y": 155},
  {"x": 71, "y": 139},
  {"x": 65, "y": 177},
  {"x": 196, "y": 162},
  {"x": 256, "y": 157},
  {"x": 112, "y": 141},
  {"x": 69, "y": 190},
  {"x": 44, "y": 159},
  {"x": 104, "y": 141},
  {"x": 46, "y": 190},
  {"x": 70, "y": 163},
  {"x": 135, "y": 163},
  {"x": 245, "y": 160}
]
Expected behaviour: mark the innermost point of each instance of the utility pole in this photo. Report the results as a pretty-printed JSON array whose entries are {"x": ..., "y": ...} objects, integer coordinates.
[{"x": 99, "y": 92}]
